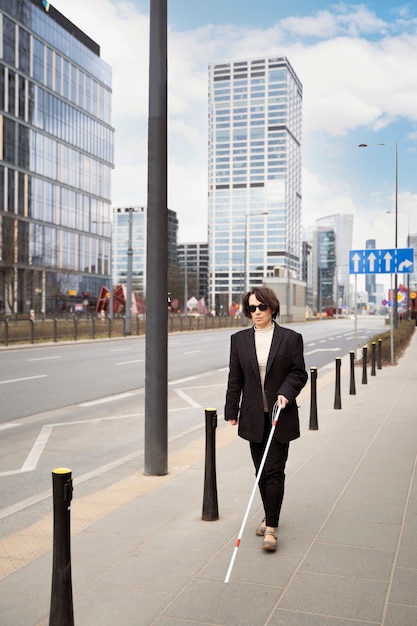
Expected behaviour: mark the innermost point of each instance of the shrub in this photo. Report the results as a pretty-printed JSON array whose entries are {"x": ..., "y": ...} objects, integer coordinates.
[{"x": 402, "y": 338}]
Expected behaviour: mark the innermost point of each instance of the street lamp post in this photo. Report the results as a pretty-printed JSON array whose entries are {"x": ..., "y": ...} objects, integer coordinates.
[
  {"x": 396, "y": 238},
  {"x": 265, "y": 214},
  {"x": 111, "y": 305},
  {"x": 395, "y": 302},
  {"x": 185, "y": 280},
  {"x": 246, "y": 282},
  {"x": 128, "y": 312},
  {"x": 247, "y": 264}
]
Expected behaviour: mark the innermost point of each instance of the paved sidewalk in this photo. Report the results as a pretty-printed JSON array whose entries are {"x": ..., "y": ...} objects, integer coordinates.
[{"x": 141, "y": 554}]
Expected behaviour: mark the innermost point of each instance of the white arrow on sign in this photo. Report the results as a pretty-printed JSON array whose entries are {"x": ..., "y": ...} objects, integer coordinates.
[
  {"x": 356, "y": 258},
  {"x": 387, "y": 258},
  {"x": 372, "y": 259},
  {"x": 406, "y": 263}
]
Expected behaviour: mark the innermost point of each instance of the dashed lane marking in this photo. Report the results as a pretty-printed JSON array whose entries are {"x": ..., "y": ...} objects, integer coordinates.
[
  {"x": 19, "y": 380},
  {"x": 130, "y": 362},
  {"x": 44, "y": 358}
]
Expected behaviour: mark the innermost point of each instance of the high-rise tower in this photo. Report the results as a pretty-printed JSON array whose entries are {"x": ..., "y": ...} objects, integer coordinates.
[
  {"x": 342, "y": 224},
  {"x": 56, "y": 153},
  {"x": 254, "y": 185}
]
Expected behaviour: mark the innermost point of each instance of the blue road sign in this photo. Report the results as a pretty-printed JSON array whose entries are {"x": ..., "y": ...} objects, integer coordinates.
[{"x": 393, "y": 261}]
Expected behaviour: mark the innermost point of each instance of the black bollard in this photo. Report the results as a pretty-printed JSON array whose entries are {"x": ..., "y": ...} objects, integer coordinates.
[
  {"x": 6, "y": 332},
  {"x": 313, "y": 400},
  {"x": 373, "y": 359},
  {"x": 379, "y": 354},
  {"x": 364, "y": 363},
  {"x": 55, "y": 330},
  {"x": 32, "y": 331},
  {"x": 210, "y": 506},
  {"x": 61, "y": 613},
  {"x": 337, "y": 397},
  {"x": 352, "y": 388}
]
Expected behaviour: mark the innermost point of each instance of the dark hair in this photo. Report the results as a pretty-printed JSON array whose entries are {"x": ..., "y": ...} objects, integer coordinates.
[{"x": 263, "y": 294}]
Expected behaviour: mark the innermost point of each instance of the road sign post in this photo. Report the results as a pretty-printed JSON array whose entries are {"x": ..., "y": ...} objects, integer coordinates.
[{"x": 385, "y": 261}]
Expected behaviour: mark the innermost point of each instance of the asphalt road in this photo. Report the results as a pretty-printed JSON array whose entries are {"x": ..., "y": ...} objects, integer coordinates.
[
  {"x": 39, "y": 379},
  {"x": 82, "y": 405}
]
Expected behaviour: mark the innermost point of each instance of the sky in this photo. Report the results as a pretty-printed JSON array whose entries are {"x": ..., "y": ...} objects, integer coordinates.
[{"x": 357, "y": 64}]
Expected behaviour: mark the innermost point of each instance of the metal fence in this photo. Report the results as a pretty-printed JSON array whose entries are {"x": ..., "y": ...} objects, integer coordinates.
[{"x": 15, "y": 331}]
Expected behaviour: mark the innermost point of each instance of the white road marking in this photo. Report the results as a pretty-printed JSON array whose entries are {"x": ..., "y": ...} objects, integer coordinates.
[
  {"x": 129, "y": 362},
  {"x": 322, "y": 350},
  {"x": 19, "y": 380},
  {"x": 187, "y": 398},
  {"x": 182, "y": 380},
  {"x": 119, "y": 396},
  {"x": 6, "y": 426},
  {"x": 192, "y": 352},
  {"x": 37, "y": 449},
  {"x": 79, "y": 480},
  {"x": 44, "y": 358},
  {"x": 121, "y": 350}
]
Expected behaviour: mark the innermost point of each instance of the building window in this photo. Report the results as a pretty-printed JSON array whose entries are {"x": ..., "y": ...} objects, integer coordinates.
[{"x": 9, "y": 41}]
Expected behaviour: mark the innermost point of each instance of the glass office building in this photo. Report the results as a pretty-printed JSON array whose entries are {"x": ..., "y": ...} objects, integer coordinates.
[
  {"x": 130, "y": 225},
  {"x": 342, "y": 224},
  {"x": 56, "y": 149},
  {"x": 325, "y": 270},
  {"x": 193, "y": 263},
  {"x": 254, "y": 179}
]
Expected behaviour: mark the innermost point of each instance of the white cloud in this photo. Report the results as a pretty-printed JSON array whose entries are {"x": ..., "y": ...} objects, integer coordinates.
[
  {"x": 344, "y": 20},
  {"x": 350, "y": 84}
]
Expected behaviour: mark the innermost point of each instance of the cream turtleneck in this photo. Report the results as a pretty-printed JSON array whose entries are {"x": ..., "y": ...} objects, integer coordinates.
[{"x": 263, "y": 340}]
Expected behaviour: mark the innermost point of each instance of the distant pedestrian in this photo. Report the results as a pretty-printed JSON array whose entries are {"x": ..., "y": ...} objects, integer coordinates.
[
  {"x": 32, "y": 314},
  {"x": 266, "y": 366}
]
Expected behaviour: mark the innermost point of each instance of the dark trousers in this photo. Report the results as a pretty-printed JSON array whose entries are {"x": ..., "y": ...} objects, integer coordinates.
[{"x": 272, "y": 480}]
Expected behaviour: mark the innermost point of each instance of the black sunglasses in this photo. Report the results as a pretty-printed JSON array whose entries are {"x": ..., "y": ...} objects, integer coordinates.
[{"x": 262, "y": 307}]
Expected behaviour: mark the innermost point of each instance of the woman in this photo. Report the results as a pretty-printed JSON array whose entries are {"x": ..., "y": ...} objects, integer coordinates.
[{"x": 266, "y": 366}]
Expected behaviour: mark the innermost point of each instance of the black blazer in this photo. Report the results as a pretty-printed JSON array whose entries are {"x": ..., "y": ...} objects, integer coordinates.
[{"x": 285, "y": 375}]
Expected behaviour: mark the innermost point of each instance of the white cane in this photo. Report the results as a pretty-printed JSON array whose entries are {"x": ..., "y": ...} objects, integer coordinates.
[{"x": 275, "y": 414}]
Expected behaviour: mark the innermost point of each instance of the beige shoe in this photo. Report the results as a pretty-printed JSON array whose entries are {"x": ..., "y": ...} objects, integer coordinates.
[
  {"x": 270, "y": 539},
  {"x": 260, "y": 531}
]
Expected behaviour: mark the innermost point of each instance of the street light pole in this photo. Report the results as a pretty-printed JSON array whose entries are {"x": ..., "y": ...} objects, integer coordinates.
[
  {"x": 110, "y": 314},
  {"x": 185, "y": 280},
  {"x": 128, "y": 311},
  {"x": 395, "y": 310},
  {"x": 156, "y": 375},
  {"x": 395, "y": 294},
  {"x": 265, "y": 214},
  {"x": 246, "y": 252}
]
